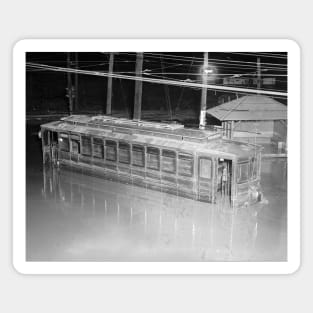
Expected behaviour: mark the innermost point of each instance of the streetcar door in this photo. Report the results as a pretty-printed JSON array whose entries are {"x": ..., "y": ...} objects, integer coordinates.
[
  {"x": 205, "y": 179},
  {"x": 224, "y": 179},
  {"x": 75, "y": 147}
]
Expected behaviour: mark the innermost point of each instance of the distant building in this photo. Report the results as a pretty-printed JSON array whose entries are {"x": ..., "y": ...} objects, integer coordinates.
[
  {"x": 226, "y": 98},
  {"x": 236, "y": 81},
  {"x": 256, "y": 119},
  {"x": 246, "y": 81}
]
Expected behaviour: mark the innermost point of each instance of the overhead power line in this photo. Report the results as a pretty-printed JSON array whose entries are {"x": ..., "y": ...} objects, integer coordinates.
[
  {"x": 154, "y": 80},
  {"x": 188, "y": 58},
  {"x": 266, "y": 55}
]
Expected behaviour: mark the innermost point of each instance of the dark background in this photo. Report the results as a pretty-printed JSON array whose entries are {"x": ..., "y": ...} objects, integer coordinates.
[{"x": 46, "y": 90}]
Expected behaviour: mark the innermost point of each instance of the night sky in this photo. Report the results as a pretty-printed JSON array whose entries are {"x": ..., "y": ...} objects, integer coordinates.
[{"x": 46, "y": 90}]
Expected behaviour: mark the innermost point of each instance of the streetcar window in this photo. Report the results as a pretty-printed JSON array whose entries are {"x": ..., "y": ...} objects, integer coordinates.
[
  {"x": 64, "y": 142},
  {"x": 86, "y": 145},
  {"x": 54, "y": 137},
  {"x": 45, "y": 137},
  {"x": 124, "y": 153},
  {"x": 138, "y": 157},
  {"x": 75, "y": 143},
  {"x": 110, "y": 150},
  {"x": 153, "y": 158},
  {"x": 168, "y": 161},
  {"x": 98, "y": 149},
  {"x": 242, "y": 172},
  {"x": 185, "y": 165},
  {"x": 205, "y": 168},
  {"x": 254, "y": 167}
]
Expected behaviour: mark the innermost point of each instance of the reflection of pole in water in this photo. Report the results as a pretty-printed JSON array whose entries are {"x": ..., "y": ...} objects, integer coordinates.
[
  {"x": 93, "y": 204},
  {"x": 146, "y": 219},
  {"x": 175, "y": 227},
  {"x": 44, "y": 177},
  {"x": 211, "y": 223},
  {"x": 131, "y": 215},
  {"x": 72, "y": 194},
  {"x": 105, "y": 207},
  {"x": 254, "y": 234},
  {"x": 175, "y": 222},
  {"x": 118, "y": 212},
  {"x": 160, "y": 222},
  {"x": 59, "y": 191},
  {"x": 230, "y": 248},
  {"x": 82, "y": 199},
  {"x": 193, "y": 234},
  {"x": 50, "y": 185},
  {"x": 55, "y": 181},
  {"x": 285, "y": 169}
]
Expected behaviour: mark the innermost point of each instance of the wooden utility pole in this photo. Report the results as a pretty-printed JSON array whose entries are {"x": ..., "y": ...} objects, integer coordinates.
[
  {"x": 259, "y": 73},
  {"x": 204, "y": 91},
  {"x": 167, "y": 93},
  {"x": 69, "y": 84},
  {"x": 108, "y": 110},
  {"x": 76, "y": 82},
  {"x": 138, "y": 87}
]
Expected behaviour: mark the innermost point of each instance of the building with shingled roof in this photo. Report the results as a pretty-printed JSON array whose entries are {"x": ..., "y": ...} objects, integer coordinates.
[{"x": 253, "y": 118}]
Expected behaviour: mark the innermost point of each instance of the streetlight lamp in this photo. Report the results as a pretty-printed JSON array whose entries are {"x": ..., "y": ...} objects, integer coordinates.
[{"x": 208, "y": 72}]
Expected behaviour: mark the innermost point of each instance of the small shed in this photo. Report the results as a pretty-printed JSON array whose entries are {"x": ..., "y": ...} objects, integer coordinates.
[{"x": 254, "y": 118}]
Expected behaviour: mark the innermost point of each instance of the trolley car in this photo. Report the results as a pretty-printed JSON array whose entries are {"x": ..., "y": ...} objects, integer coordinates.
[{"x": 197, "y": 164}]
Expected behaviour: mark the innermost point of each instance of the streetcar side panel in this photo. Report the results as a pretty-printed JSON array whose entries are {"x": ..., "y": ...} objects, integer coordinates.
[{"x": 189, "y": 173}]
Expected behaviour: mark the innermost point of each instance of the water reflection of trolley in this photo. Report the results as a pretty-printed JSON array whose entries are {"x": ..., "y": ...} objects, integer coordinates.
[
  {"x": 197, "y": 164},
  {"x": 210, "y": 233}
]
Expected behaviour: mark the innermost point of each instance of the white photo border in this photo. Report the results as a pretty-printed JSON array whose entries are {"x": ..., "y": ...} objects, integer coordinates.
[{"x": 156, "y": 45}]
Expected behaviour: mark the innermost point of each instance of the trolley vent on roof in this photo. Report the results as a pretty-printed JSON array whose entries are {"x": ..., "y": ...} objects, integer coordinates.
[
  {"x": 154, "y": 129},
  {"x": 108, "y": 120}
]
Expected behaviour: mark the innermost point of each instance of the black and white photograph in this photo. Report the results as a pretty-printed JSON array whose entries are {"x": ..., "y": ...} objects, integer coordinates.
[
  {"x": 156, "y": 156},
  {"x": 166, "y": 156}
]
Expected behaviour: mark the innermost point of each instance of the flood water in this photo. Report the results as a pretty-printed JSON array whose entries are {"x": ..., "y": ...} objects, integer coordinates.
[{"x": 75, "y": 217}]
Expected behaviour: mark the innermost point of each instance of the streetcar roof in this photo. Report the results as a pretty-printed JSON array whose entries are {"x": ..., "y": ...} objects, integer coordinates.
[{"x": 151, "y": 133}]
